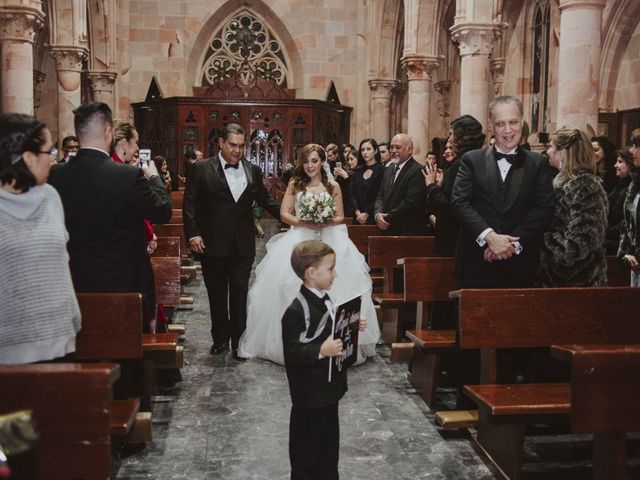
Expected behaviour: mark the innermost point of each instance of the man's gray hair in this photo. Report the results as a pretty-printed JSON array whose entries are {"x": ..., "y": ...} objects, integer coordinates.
[
  {"x": 506, "y": 99},
  {"x": 231, "y": 128}
]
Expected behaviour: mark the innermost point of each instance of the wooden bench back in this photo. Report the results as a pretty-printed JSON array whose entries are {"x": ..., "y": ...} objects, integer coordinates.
[
  {"x": 384, "y": 252},
  {"x": 166, "y": 271},
  {"x": 605, "y": 391},
  {"x": 618, "y": 275},
  {"x": 174, "y": 230},
  {"x": 521, "y": 318},
  {"x": 427, "y": 279},
  {"x": 177, "y": 198},
  {"x": 71, "y": 406},
  {"x": 359, "y": 235},
  {"x": 167, "y": 247},
  {"x": 111, "y": 326},
  {"x": 176, "y": 215}
]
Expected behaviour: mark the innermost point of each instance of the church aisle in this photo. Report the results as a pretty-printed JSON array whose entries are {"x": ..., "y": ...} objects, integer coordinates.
[{"x": 229, "y": 420}]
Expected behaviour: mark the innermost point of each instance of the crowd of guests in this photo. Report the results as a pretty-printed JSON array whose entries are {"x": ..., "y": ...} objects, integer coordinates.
[{"x": 510, "y": 216}]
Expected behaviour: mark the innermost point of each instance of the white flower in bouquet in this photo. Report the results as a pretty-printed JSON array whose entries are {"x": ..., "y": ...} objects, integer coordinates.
[{"x": 318, "y": 208}]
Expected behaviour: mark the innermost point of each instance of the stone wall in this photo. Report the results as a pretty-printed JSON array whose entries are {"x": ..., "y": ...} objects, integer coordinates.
[{"x": 627, "y": 92}]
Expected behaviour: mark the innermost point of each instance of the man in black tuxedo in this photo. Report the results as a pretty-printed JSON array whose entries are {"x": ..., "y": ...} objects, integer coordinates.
[
  {"x": 401, "y": 205},
  {"x": 105, "y": 205},
  {"x": 218, "y": 222},
  {"x": 502, "y": 199}
]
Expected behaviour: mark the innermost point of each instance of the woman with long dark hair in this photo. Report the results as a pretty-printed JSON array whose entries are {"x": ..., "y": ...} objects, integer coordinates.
[
  {"x": 629, "y": 248},
  {"x": 605, "y": 153},
  {"x": 276, "y": 284},
  {"x": 365, "y": 182}
]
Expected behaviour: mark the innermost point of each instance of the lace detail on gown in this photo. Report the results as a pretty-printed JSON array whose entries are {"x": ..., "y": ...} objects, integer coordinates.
[{"x": 276, "y": 285}]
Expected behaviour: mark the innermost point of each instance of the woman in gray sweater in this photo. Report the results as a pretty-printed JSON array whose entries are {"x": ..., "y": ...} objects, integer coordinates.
[{"x": 39, "y": 313}]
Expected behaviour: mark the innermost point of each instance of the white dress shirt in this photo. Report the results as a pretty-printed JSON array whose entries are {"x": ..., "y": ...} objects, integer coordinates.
[
  {"x": 329, "y": 304},
  {"x": 400, "y": 167},
  {"x": 236, "y": 178}
]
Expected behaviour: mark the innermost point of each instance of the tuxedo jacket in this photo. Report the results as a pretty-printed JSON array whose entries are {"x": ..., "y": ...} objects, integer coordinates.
[
  {"x": 209, "y": 210},
  {"x": 521, "y": 206},
  {"x": 308, "y": 375},
  {"x": 405, "y": 200},
  {"x": 105, "y": 206}
]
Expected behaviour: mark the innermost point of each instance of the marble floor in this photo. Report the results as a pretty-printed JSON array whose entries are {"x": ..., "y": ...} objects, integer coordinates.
[{"x": 229, "y": 420}]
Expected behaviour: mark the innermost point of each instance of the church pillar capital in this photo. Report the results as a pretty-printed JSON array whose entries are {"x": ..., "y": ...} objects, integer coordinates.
[
  {"x": 69, "y": 60},
  {"x": 474, "y": 38},
  {"x": 582, "y": 4},
  {"x": 497, "y": 66},
  {"x": 420, "y": 67},
  {"x": 102, "y": 85},
  {"x": 20, "y": 23},
  {"x": 382, "y": 89}
]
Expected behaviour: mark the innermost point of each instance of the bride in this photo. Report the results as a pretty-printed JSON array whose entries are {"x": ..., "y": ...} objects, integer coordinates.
[{"x": 276, "y": 284}]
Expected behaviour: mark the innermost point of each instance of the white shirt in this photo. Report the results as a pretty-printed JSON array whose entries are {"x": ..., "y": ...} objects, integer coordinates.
[
  {"x": 400, "y": 166},
  {"x": 329, "y": 304},
  {"x": 504, "y": 166},
  {"x": 236, "y": 178}
]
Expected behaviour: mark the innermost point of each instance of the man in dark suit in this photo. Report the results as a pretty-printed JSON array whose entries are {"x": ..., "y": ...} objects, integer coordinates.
[
  {"x": 502, "y": 199},
  {"x": 105, "y": 205},
  {"x": 401, "y": 205},
  {"x": 218, "y": 222}
]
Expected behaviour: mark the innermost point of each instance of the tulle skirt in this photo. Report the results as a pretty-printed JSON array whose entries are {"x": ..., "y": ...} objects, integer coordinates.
[{"x": 276, "y": 285}]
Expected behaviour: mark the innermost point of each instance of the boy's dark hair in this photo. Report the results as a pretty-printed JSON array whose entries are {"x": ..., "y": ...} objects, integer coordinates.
[
  {"x": 308, "y": 254},
  {"x": 19, "y": 133},
  {"x": 86, "y": 114}
]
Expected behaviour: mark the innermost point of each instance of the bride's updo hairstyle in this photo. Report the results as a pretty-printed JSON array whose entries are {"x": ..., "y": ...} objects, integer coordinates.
[{"x": 301, "y": 179}]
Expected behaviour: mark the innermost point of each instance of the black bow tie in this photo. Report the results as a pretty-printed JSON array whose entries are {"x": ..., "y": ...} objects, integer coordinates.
[
  {"x": 509, "y": 157},
  {"x": 228, "y": 165},
  {"x": 326, "y": 297}
]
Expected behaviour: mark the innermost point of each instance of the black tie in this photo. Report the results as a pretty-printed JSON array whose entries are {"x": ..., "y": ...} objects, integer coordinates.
[
  {"x": 509, "y": 157},
  {"x": 395, "y": 172},
  {"x": 326, "y": 297},
  {"x": 228, "y": 165}
]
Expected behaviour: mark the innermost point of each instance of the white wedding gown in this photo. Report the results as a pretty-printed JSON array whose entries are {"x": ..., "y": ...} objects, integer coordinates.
[{"x": 276, "y": 285}]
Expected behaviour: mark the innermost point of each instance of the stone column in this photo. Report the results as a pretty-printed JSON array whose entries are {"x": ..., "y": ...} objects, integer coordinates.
[
  {"x": 475, "y": 41},
  {"x": 419, "y": 69},
  {"x": 69, "y": 60},
  {"x": 18, "y": 27},
  {"x": 102, "y": 87},
  {"x": 497, "y": 74},
  {"x": 579, "y": 62},
  {"x": 381, "y": 92}
]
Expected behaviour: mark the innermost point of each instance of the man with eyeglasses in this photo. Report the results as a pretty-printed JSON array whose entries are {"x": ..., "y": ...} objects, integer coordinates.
[
  {"x": 218, "y": 221},
  {"x": 70, "y": 146}
]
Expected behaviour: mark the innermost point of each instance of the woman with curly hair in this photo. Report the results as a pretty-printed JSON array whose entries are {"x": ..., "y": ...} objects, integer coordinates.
[
  {"x": 629, "y": 248},
  {"x": 573, "y": 250},
  {"x": 466, "y": 134},
  {"x": 623, "y": 166},
  {"x": 276, "y": 284}
]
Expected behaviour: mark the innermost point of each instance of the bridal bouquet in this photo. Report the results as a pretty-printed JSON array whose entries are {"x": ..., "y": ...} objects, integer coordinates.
[{"x": 318, "y": 208}]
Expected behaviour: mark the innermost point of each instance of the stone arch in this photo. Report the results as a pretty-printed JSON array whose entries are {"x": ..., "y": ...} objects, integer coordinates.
[
  {"x": 260, "y": 9},
  {"x": 619, "y": 28},
  {"x": 384, "y": 49}
]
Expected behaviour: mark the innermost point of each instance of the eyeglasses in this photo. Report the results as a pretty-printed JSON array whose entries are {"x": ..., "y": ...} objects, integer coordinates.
[{"x": 53, "y": 152}]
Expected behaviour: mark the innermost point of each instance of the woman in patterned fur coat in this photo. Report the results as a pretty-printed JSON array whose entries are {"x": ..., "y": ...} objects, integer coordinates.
[{"x": 573, "y": 250}]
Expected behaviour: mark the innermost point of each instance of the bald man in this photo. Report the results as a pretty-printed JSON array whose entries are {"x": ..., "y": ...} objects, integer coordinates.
[{"x": 401, "y": 204}]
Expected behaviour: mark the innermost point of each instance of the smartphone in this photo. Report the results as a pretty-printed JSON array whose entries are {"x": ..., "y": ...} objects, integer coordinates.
[
  {"x": 338, "y": 164},
  {"x": 144, "y": 154}
]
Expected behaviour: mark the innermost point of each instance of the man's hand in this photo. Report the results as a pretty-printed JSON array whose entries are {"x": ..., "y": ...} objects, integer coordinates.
[
  {"x": 197, "y": 245},
  {"x": 150, "y": 170},
  {"x": 362, "y": 324},
  {"x": 632, "y": 261},
  {"x": 381, "y": 221},
  {"x": 362, "y": 217},
  {"x": 331, "y": 347},
  {"x": 500, "y": 246}
]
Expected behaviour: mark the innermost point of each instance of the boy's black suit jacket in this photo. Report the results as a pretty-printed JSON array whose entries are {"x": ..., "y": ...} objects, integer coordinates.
[
  {"x": 211, "y": 212},
  {"x": 105, "y": 205},
  {"x": 405, "y": 200},
  {"x": 521, "y": 206},
  {"x": 307, "y": 374}
]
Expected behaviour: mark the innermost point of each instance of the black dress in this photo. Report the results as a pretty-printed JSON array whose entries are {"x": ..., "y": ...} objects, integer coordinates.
[
  {"x": 364, "y": 191},
  {"x": 439, "y": 202},
  {"x": 616, "y": 213}
]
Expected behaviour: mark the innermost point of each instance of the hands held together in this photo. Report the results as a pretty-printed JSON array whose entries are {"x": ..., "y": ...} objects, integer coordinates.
[{"x": 499, "y": 247}]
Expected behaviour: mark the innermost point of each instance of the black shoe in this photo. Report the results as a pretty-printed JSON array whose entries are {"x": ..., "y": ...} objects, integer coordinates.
[
  {"x": 218, "y": 348},
  {"x": 237, "y": 357}
]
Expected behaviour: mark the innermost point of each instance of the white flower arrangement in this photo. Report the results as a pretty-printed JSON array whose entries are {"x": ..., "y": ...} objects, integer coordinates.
[{"x": 318, "y": 208}]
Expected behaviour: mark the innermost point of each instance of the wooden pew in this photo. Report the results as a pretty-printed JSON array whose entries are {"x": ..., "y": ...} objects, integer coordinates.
[
  {"x": 166, "y": 268},
  {"x": 490, "y": 320},
  {"x": 74, "y": 413},
  {"x": 605, "y": 393},
  {"x": 384, "y": 253},
  {"x": 359, "y": 235},
  {"x": 177, "y": 198},
  {"x": 176, "y": 216},
  {"x": 618, "y": 274},
  {"x": 174, "y": 230},
  {"x": 426, "y": 280},
  {"x": 112, "y": 330}
]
